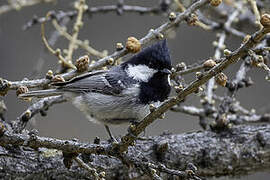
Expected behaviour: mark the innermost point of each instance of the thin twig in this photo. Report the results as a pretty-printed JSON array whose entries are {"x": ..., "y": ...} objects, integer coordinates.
[
  {"x": 92, "y": 171},
  {"x": 82, "y": 44},
  {"x": 56, "y": 52},
  {"x": 256, "y": 12},
  {"x": 198, "y": 23},
  {"x": 94, "y": 10},
  {"x": 81, "y": 7},
  {"x": 247, "y": 118},
  {"x": 39, "y": 107}
]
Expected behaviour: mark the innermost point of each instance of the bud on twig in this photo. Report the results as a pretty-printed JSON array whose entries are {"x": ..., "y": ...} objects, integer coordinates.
[
  {"x": 199, "y": 75},
  {"x": 153, "y": 171},
  {"x": 192, "y": 20},
  {"x": 133, "y": 45},
  {"x": 178, "y": 89},
  {"x": 215, "y": 2},
  {"x": 28, "y": 114},
  {"x": 265, "y": 20},
  {"x": 132, "y": 127},
  {"x": 2, "y": 129},
  {"x": 181, "y": 66},
  {"x": 221, "y": 79},
  {"x": 208, "y": 64},
  {"x": 49, "y": 74},
  {"x": 162, "y": 116},
  {"x": 246, "y": 38},
  {"x": 4, "y": 86},
  {"x": 172, "y": 16},
  {"x": 102, "y": 174},
  {"x": 58, "y": 78},
  {"x": 227, "y": 52},
  {"x": 21, "y": 90},
  {"x": 111, "y": 61},
  {"x": 119, "y": 46},
  {"x": 82, "y": 63},
  {"x": 159, "y": 36},
  {"x": 152, "y": 107}
]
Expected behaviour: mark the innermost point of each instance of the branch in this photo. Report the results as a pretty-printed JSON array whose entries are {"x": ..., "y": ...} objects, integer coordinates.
[
  {"x": 152, "y": 35},
  {"x": 39, "y": 107},
  {"x": 238, "y": 151},
  {"x": 232, "y": 118},
  {"x": 120, "y": 8}
]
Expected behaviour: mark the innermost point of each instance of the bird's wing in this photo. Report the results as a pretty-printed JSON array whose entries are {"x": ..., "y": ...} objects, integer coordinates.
[{"x": 105, "y": 82}]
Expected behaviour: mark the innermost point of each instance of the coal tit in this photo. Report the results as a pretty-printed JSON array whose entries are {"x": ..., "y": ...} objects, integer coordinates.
[{"x": 124, "y": 92}]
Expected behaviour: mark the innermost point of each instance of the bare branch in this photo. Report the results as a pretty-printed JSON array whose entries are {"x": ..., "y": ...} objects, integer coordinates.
[
  {"x": 83, "y": 44},
  {"x": 240, "y": 150},
  {"x": 81, "y": 7},
  {"x": 56, "y": 52},
  {"x": 40, "y": 107}
]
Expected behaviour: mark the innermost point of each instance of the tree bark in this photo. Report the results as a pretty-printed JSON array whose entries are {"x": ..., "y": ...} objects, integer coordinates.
[{"x": 241, "y": 150}]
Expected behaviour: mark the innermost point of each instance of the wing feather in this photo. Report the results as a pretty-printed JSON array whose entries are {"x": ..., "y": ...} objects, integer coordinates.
[{"x": 105, "y": 82}]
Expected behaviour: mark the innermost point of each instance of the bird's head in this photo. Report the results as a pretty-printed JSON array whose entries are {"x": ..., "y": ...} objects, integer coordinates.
[{"x": 152, "y": 60}]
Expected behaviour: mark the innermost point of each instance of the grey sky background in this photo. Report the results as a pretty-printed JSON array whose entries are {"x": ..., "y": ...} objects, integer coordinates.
[{"x": 22, "y": 51}]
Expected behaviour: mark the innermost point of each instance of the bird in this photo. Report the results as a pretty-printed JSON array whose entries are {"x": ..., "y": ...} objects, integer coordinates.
[{"x": 122, "y": 94}]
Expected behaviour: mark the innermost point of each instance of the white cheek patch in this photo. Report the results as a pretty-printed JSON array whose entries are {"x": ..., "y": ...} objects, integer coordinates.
[
  {"x": 169, "y": 80},
  {"x": 140, "y": 72}
]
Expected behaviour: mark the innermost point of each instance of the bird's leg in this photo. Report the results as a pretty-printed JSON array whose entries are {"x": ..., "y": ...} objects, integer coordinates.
[{"x": 110, "y": 134}]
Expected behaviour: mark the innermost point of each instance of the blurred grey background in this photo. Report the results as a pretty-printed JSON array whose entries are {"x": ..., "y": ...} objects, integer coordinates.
[{"x": 21, "y": 52}]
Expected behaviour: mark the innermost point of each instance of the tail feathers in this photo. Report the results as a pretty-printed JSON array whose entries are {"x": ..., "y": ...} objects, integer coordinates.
[{"x": 41, "y": 93}]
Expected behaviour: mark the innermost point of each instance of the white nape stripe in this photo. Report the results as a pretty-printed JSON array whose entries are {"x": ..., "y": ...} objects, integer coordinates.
[{"x": 140, "y": 72}]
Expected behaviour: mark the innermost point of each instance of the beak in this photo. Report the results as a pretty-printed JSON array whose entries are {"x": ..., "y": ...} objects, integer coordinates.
[{"x": 166, "y": 71}]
